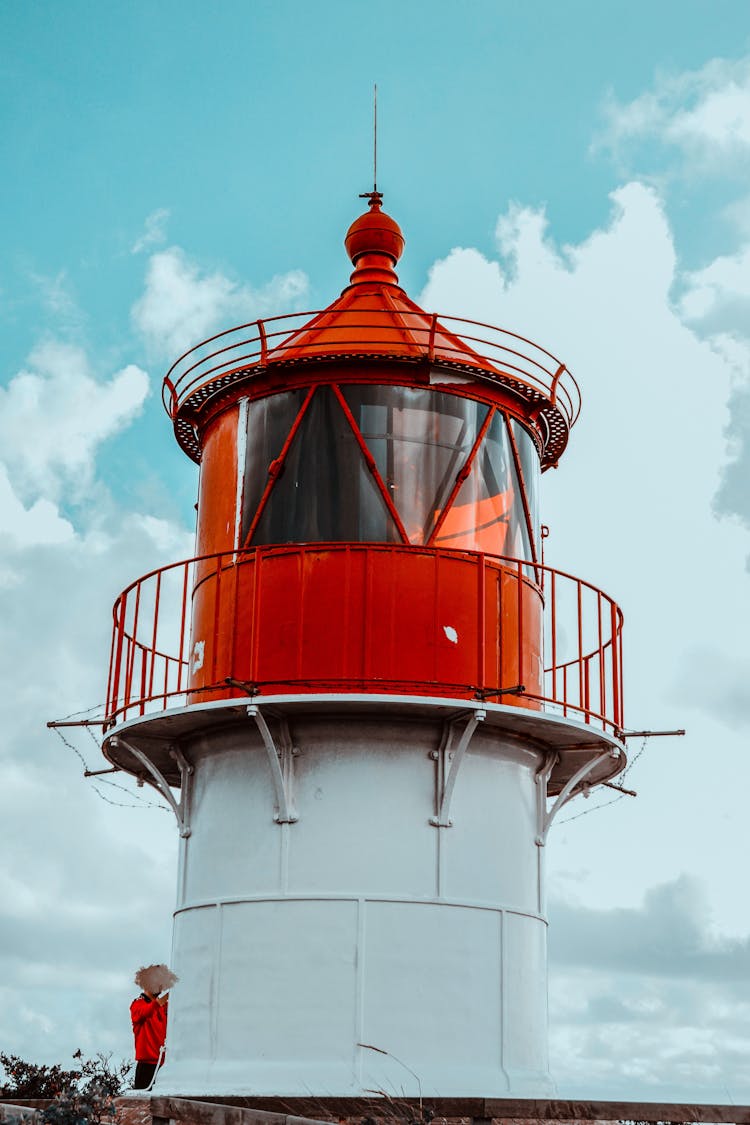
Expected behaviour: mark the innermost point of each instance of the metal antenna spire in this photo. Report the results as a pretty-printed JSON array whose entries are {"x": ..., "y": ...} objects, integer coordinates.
[
  {"x": 374, "y": 196},
  {"x": 375, "y": 137}
]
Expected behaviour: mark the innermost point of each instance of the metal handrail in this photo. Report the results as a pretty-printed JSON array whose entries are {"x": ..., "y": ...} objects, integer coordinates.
[
  {"x": 498, "y": 351},
  {"x": 148, "y": 674}
]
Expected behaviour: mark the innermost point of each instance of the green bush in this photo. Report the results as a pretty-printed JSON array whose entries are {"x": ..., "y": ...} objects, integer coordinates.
[
  {"x": 29, "y": 1080},
  {"x": 79, "y": 1097}
]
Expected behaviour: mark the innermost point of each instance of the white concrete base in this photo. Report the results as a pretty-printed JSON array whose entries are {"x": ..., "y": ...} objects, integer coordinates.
[{"x": 361, "y": 948}]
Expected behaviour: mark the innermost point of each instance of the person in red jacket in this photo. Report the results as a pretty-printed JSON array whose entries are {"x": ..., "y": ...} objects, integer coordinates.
[
  {"x": 149, "y": 1016},
  {"x": 148, "y": 1013}
]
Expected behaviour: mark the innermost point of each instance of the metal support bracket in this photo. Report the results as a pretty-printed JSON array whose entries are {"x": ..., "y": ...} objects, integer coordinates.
[
  {"x": 569, "y": 791},
  {"x": 456, "y": 757},
  {"x": 280, "y": 759},
  {"x": 179, "y": 808},
  {"x": 541, "y": 779}
]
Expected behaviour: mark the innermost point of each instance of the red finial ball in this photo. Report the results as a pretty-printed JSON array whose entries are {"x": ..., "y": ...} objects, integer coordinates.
[{"x": 374, "y": 233}]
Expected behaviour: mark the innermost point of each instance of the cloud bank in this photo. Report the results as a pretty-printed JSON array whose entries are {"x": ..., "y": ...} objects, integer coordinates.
[
  {"x": 649, "y": 998},
  {"x": 702, "y": 118}
]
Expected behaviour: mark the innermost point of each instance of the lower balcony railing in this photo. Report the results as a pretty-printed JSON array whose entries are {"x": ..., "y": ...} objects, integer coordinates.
[{"x": 366, "y": 618}]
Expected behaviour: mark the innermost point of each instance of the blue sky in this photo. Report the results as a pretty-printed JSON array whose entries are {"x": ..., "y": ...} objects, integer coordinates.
[
  {"x": 573, "y": 171},
  {"x": 251, "y": 124}
]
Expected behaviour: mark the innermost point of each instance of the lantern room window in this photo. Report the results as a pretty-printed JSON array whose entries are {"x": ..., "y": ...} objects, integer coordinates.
[
  {"x": 419, "y": 440},
  {"x": 374, "y": 463}
]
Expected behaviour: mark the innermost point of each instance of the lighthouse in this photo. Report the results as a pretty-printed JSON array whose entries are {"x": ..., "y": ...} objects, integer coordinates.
[{"x": 366, "y": 697}]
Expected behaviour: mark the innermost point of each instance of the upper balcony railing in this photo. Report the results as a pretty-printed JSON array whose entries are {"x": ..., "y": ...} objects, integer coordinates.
[
  {"x": 491, "y": 353},
  {"x": 306, "y": 619}
]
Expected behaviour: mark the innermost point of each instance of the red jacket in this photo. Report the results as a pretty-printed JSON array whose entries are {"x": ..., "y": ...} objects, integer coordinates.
[{"x": 149, "y": 1028}]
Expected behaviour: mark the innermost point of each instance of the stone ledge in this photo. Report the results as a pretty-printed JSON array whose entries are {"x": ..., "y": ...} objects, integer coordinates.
[{"x": 479, "y": 1111}]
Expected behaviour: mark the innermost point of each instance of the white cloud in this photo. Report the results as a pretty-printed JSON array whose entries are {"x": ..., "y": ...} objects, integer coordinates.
[
  {"x": 54, "y": 415},
  {"x": 154, "y": 231},
  {"x": 648, "y": 1040},
  {"x": 39, "y": 524},
  {"x": 182, "y": 305},
  {"x": 614, "y": 285},
  {"x": 737, "y": 215},
  {"x": 704, "y": 113},
  {"x": 716, "y": 300},
  {"x": 718, "y": 296},
  {"x": 696, "y": 125},
  {"x": 733, "y": 495},
  {"x": 648, "y": 997},
  {"x": 667, "y": 936},
  {"x": 720, "y": 120}
]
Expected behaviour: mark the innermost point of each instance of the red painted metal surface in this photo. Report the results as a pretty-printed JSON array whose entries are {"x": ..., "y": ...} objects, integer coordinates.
[
  {"x": 366, "y": 618},
  {"x": 217, "y": 498},
  {"x": 375, "y": 233}
]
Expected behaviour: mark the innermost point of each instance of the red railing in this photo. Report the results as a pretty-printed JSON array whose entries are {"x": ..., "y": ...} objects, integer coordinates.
[
  {"x": 499, "y": 354},
  {"x": 155, "y": 663}
]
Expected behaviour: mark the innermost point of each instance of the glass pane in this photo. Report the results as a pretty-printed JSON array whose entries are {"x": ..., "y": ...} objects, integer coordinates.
[
  {"x": 325, "y": 491},
  {"x": 531, "y": 469},
  {"x": 269, "y": 420},
  {"x": 487, "y": 515},
  {"x": 419, "y": 440}
]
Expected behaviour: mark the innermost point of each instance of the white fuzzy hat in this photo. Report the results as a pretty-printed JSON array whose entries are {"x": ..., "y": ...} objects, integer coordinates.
[{"x": 155, "y": 979}]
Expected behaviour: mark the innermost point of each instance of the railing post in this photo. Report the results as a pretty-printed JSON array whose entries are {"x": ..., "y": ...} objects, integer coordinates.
[
  {"x": 131, "y": 653},
  {"x": 263, "y": 343},
  {"x": 115, "y": 681},
  {"x": 144, "y": 671},
  {"x": 234, "y": 613},
  {"x": 580, "y": 645},
  {"x": 181, "y": 658},
  {"x": 431, "y": 340},
  {"x": 481, "y": 628},
  {"x": 519, "y": 580},
  {"x": 621, "y": 716},
  {"x": 556, "y": 379},
  {"x": 602, "y": 677},
  {"x": 217, "y": 619},
  {"x": 154, "y": 634},
  {"x": 615, "y": 667},
  {"x": 554, "y": 634},
  {"x": 173, "y": 401}
]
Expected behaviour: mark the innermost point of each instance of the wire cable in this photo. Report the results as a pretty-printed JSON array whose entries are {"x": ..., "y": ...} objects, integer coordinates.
[
  {"x": 614, "y": 800},
  {"x": 139, "y": 803}
]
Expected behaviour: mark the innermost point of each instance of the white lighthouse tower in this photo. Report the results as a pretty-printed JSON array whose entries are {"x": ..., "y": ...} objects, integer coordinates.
[{"x": 365, "y": 697}]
